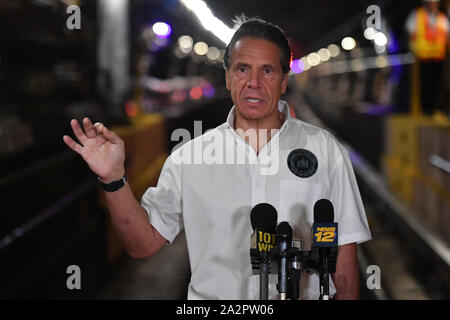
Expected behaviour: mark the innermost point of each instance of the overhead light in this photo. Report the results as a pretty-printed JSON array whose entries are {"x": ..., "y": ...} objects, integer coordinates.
[
  {"x": 348, "y": 43},
  {"x": 213, "y": 54},
  {"x": 208, "y": 20},
  {"x": 201, "y": 48},
  {"x": 313, "y": 59},
  {"x": 334, "y": 50},
  {"x": 185, "y": 43},
  {"x": 162, "y": 29},
  {"x": 324, "y": 54},
  {"x": 370, "y": 33},
  {"x": 297, "y": 66},
  {"x": 208, "y": 90},
  {"x": 306, "y": 65},
  {"x": 380, "y": 39},
  {"x": 196, "y": 93}
]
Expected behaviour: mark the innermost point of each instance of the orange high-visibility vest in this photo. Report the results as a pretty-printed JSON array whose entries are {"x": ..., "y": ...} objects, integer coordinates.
[{"x": 429, "y": 42}]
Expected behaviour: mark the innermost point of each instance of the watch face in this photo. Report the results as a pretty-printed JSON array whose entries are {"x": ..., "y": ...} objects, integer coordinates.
[{"x": 302, "y": 163}]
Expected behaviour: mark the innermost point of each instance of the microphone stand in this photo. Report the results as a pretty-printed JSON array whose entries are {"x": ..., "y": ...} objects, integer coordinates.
[
  {"x": 294, "y": 274},
  {"x": 264, "y": 276},
  {"x": 324, "y": 275},
  {"x": 282, "y": 275}
]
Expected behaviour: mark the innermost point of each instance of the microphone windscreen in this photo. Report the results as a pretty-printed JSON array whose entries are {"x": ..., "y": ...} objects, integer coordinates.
[
  {"x": 264, "y": 216},
  {"x": 323, "y": 211},
  {"x": 284, "y": 228}
]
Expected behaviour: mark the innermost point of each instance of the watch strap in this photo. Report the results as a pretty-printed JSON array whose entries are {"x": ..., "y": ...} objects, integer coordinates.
[{"x": 113, "y": 185}]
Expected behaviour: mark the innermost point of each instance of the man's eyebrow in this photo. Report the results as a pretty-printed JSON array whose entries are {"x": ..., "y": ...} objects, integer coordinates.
[
  {"x": 242, "y": 64},
  {"x": 268, "y": 66}
]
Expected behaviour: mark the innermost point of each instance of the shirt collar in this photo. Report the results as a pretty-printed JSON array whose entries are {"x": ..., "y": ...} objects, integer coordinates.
[{"x": 283, "y": 107}]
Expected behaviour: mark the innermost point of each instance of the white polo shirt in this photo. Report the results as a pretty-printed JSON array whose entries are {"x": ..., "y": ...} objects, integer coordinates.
[{"x": 211, "y": 198}]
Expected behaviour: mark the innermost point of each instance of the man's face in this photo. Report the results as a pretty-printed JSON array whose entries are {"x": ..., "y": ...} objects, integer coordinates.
[
  {"x": 432, "y": 7},
  {"x": 255, "y": 78}
]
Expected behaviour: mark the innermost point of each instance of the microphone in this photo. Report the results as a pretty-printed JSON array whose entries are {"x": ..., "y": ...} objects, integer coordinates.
[
  {"x": 263, "y": 218},
  {"x": 325, "y": 238},
  {"x": 294, "y": 269},
  {"x": 283, "y": 235}
]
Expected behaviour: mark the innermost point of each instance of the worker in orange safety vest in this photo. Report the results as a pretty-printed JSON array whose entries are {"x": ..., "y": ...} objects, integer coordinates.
[{"x": 428, "y": 30}]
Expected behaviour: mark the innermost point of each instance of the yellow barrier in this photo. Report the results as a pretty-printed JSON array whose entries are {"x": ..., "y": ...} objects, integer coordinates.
[
  {"x": 144, "y": 141},
  {"x": 402, "y": 138},
  {"x": 400, "y": 177},
  {"x": 412, "y": 143},
  {"x": 413, "y": 140}
]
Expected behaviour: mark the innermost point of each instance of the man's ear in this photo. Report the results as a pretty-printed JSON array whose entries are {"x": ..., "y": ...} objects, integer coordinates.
[
  {"x": 284, "y": 83},
  {"x": 227, "y": 79}
]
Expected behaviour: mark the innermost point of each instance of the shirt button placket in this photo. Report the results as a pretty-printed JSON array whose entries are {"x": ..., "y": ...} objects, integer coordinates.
[{"x": 258, "y": 186}]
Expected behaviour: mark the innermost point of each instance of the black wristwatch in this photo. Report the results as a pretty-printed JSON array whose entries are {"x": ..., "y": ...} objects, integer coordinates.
[{"x": 113, "y": 185}]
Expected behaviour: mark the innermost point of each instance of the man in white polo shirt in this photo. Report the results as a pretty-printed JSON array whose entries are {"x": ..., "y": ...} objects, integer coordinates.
[{"x": 210, "y": 184}]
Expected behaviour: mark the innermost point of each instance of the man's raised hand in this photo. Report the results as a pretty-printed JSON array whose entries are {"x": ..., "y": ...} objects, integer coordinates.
[{"x": 101, "y": 148}]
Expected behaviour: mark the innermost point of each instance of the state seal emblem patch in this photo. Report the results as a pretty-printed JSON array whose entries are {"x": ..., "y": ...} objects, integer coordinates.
[{"x": 302, "y": 163}]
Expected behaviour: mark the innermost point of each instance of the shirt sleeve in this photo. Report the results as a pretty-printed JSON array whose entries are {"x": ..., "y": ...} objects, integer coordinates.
[
  {"x": 346, "y": 199},
  {"x": 163, "y": 202}
]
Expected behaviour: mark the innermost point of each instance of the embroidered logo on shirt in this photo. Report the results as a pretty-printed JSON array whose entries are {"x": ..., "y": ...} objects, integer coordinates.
[{"x": 302, "y": 163}]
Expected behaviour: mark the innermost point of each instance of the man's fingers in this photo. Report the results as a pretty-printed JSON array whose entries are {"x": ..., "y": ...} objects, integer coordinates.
[
  {"x": 111, "y": 136},
  {"x": 78, "y": 131},
  {"x": 72, "y": 144},
  {"x": 98, "y": 127},
  {"x": 89, "y": 128},
  {"x": 106, "y": 133}
]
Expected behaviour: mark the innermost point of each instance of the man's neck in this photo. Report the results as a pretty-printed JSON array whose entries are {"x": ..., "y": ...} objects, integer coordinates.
[
  {"x": 273, "y": 122},
  {"x": 258, "y": 133}
]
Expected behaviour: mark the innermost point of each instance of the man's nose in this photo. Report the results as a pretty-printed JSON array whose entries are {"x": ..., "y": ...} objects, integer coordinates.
[{"x": 253, "y": 81}]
